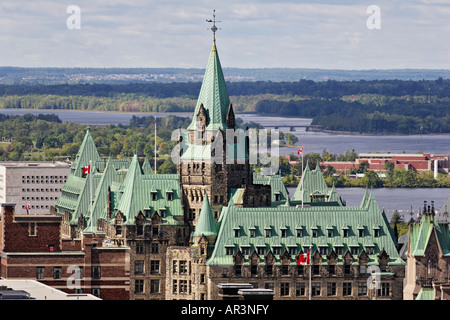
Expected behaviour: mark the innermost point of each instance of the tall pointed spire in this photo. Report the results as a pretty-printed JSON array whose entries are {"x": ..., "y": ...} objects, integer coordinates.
[{"x": 213, "y": 94}]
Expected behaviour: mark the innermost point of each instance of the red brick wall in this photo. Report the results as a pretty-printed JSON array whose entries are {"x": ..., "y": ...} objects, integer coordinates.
[{"x": 16, "y": 237}]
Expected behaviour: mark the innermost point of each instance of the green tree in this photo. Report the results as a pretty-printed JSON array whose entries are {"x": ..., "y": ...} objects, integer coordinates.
[
  {"x": 371, "y": 180},
  {"x": 168, "y": 167}
]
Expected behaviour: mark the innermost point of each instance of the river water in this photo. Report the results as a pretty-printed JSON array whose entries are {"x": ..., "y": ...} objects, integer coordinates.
[{"x": 389, "y": 199}]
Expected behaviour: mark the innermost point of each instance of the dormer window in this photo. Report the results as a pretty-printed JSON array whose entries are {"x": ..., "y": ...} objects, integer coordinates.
[
  {"x": 154, "y": 195},
  {"x": 169, "y": 195},
  {"x": 162, "y": 212}
]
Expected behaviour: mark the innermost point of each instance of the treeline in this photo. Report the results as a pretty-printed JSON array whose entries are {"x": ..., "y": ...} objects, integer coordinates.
[
  {"x": 405, "y": 115},
  {"x": 377, "y": 106},
  {"x": 38, "y": 138},
  {"x": 124, "y": 103},
  {"x": 326, "y": 89}
]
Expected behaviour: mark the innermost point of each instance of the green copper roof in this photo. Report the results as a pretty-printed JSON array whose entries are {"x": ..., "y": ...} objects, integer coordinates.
[
  {"x": 313, "y": 183},
  {"x": 206, "y": 224},
  {"x": 130, "y": 184},
  {"x": 213, "y": 95},
  {"x": 278, "y": 189},
  {"x": 320, "y": 218},
  {"x": 420, "y": 234},
  {"x": 86, "y": 153},
  {"x": 425, "y": 294}
]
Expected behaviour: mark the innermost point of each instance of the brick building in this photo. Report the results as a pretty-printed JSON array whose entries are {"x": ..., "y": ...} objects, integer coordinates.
[
  {"x": 32, "y": 248},
  {"x": 141, "y": 235},
  {"x": 377, "y": 161}
]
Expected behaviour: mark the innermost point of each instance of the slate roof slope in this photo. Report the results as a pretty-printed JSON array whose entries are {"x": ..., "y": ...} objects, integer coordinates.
[{"x": 320, "y": 218}]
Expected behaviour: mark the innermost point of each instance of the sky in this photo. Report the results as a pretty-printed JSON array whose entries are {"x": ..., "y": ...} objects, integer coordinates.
[{"x": 329, "y": 34}]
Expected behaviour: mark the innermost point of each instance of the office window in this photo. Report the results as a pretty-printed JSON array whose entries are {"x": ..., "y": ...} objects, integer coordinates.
[
  {"x": 237, "y": 271},
  {"x": 183, "y": 286},
  {"x": 269, "y": 269},
  {"x": 139, "y": 248},
  {"x": 347, "y": 269},
  {"x": 175, "y": 286},
  {"x": 331, "y": 288},
  {"x": 315, "y": 289},
  {"x": 32, "y": 229},
  {"x": 254, "y": 270},
  {"x": 347, "y": 289},
  {"x": 138, "y": 286},
  {"x": 183, "y": 267},
  {"x": 384, "y": 291},
  {"x": 139, "y": 230},
  {"x": 300, "y": 270},
  {"x": 154, "y": 266},
  {"x": 154, "y": 286},
  {"x": 331, "y": 269},
  {"x": 40, "y": 273},
  {"x": 96, "y": 272},
  {"x": 284, "y": 289},
  {"x": 284, "y": 270},
  {"x": 300, "y": 289},
  {"x": 57, "y": 273},
  {"x": 139, "y": 267},
  {"x": 155, "y": 247},
  {"x": 315, "y": 270},
  {"x": 362, "y": 289}
]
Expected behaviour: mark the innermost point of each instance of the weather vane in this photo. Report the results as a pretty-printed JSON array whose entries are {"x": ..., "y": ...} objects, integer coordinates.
[{"x": 213, "y": 28}]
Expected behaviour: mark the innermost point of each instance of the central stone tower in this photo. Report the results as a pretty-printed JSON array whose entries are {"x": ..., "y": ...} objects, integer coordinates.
[{"x": 214, "y": 159}]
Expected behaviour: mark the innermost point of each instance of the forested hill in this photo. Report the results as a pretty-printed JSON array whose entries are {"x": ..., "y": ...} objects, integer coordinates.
[{"x": 376, "y": 106}]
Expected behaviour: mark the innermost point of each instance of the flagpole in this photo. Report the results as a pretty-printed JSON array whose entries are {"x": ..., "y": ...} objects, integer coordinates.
[
  {"x": 90, "y": 193},
  {"x": 310, "y": 272},
  {"x": 155, "y": 144},
  {"x": 303, "y": 180}
]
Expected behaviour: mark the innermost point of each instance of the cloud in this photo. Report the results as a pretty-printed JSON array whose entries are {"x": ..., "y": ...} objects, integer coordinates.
[{"x": 255, "y": 33}]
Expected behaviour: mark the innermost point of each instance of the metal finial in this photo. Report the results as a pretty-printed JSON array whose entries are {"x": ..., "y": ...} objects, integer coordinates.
[{"x": 213, "y": 28}]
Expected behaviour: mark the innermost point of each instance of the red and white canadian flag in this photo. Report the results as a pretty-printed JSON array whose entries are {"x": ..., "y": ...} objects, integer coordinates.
[
  {"x": 304, "y": 259},
  {"x": 87, "y": 169},
  {"x": 300, "y": 150}
]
